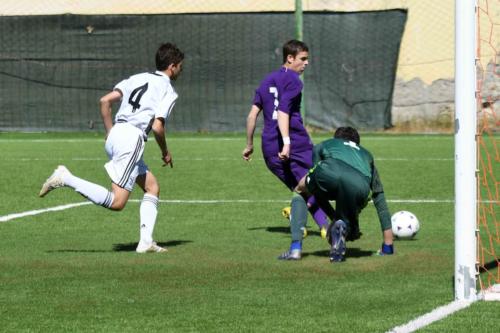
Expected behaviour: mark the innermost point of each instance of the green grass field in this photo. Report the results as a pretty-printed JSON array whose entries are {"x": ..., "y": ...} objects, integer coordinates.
[{"x": 76, "y": 269}]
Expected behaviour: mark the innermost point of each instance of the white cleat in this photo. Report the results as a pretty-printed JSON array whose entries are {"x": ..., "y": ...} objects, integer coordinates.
[
  {"x": 149, "y": 248},
  {"x": 55, "y": 180}
]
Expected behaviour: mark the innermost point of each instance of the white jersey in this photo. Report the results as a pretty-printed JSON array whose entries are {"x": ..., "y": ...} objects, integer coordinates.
[{"x": 145, "y": 96}]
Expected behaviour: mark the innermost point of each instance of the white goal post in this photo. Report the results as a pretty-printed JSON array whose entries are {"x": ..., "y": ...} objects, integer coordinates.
[
  {"x": 465, "y": 150},
  {"x": 466, "y": 163}
]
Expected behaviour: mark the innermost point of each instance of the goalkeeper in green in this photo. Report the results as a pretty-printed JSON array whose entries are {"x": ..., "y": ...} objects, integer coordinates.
[{"x": 343, "y": 172}]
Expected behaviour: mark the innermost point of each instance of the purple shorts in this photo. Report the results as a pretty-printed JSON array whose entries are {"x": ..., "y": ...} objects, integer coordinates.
[{"x": 291, "y": 171}]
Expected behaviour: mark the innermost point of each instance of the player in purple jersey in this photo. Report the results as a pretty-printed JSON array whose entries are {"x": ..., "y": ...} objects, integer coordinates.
[{"x": 286, "y": 145}]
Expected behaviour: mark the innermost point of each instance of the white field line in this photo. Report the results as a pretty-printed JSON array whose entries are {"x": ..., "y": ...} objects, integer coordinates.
[
  {"x": 14, "y": 216},
  {"x": 434, "y": 159},
  {"x": 29, "y": 159},
  {"x": 366, "y": 138},
  {"x": 101, "y": 140},
  {"x": 10, "y": 217},
  {"x": 433, "y": 316},
  {"x": 419, "y": 201}
]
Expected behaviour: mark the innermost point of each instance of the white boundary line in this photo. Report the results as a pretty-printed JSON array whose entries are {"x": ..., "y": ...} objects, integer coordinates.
[
  {"x": 14, "y": 216},
  {"x": 366, "y": 138},
  {"x": 101, "y": 140},
  {"x": 428, "y": 318},
  {"x": 418, "y": 201},
  {"x": 384, "y": 159},
  {"x": 29, "y": 159},
  {"x": 10, "y": 217}
]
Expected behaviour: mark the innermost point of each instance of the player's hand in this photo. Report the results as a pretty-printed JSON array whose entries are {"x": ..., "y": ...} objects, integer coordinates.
[
  {"x": 247, "y": 152},
  {"x": 386, "y": 250},
  {"x": 285, "y": 153},
  {"x": 167, "y": 159}
]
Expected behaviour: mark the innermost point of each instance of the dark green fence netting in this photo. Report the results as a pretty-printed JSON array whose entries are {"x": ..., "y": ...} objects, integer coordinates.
[{"x": 53, "y": 69}]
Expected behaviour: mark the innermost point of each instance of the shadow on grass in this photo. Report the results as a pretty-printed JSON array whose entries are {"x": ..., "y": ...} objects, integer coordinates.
[
  {"x": 77, "y": 251},
  {"x": 284, "y": 230},
  {"x": 352, "y": 252},
  {"x": 126, "y": 247},
  {"x": 130, "y": 247},
  {"x": 413, "y": 239}
]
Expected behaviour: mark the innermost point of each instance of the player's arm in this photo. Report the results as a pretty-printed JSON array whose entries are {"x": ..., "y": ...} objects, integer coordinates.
[
  {"x": 284, "y": 127},
  {"x": 158, "y": 129},
  {"x": 291, "y": 91},
  {"x": 383, "y": 213},
  {"x": 379, "y": 201},
  {"x": 251, "y": 125},
  {"x": 106, "y": 103}
]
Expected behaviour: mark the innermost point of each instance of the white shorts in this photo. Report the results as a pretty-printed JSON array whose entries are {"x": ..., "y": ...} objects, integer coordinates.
[{"x": 125, "y": 147}]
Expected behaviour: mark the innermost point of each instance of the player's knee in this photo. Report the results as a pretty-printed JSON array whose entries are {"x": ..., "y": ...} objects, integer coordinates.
[
  {"x": 117, "y": 207},
  {"x": 118, "y": 204},
  {"x": 301, "y": 192},
  {"x": 301, "y": 189}
]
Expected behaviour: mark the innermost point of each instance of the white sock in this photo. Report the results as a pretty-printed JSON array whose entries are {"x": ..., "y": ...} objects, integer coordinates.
[
  {"x": 95, "y": 193},
  {"x": 148, "y": 212}
]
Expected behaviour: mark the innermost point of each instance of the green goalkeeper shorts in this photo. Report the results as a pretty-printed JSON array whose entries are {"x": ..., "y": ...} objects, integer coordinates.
[{"x": 333, "y": 179}]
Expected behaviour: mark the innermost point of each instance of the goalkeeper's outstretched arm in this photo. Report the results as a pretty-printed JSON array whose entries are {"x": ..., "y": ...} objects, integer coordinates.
[{"x": 383, "y": 212}]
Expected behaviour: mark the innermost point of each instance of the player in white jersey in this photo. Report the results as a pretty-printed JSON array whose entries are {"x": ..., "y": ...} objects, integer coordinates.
[{"x": 146, "y": 102}]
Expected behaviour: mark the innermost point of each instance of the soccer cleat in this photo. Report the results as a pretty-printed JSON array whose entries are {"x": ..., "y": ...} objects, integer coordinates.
[
  {"x": 323, "y": 231},
  {"x": 337, "y": 237},
  {"x": 291, "y": 255},
  {"x": 54, "y": 181},
  {"x": 286, "y": 212},
  {"x": 150, "y": 248}
]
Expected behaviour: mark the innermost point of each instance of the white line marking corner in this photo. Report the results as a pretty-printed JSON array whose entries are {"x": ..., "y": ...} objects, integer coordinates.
[{"x": 433, "y": 316}]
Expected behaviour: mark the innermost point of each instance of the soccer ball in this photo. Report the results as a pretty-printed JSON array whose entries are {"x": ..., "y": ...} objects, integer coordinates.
[{"x": 404, "y": 224}]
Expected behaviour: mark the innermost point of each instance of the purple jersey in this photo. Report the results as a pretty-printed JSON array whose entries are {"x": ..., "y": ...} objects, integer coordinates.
[{"x": 282, "y": 90}]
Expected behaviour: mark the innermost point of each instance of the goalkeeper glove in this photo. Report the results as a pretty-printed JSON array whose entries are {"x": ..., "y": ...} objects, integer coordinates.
[{"x": 386, "y": 250}]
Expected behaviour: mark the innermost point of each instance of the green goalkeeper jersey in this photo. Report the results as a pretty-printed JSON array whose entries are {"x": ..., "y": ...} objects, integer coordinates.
[{"x": 360, "y": 159}]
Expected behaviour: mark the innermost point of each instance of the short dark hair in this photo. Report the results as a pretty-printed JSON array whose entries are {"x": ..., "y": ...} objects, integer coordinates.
[
  {"x": 293, "y": 47},
  {"x": 168, "y": 54},
  {"x": 347, "y": 133}
]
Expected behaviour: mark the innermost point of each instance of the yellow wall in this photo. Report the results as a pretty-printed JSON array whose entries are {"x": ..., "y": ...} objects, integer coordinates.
[{"x": 427, "y": 50}]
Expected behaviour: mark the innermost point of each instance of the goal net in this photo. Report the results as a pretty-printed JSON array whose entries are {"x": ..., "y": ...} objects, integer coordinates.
[{"x": 488, "y": 160}]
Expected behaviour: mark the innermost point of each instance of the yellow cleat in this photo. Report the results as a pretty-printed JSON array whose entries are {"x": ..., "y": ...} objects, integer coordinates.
[
  {"x": 304, "y": 233},
  {"x": 286, "y": 212},
  {"x": 323, "y": 232}
]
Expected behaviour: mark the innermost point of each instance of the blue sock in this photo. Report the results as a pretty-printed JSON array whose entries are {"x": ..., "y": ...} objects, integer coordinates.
[{"x": 296, "y": 245}]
